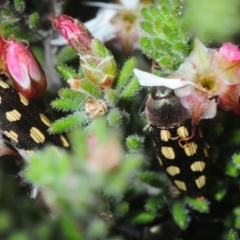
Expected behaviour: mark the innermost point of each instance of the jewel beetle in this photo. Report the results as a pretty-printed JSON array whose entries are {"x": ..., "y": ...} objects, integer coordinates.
[{"x": 179, "y": 144}]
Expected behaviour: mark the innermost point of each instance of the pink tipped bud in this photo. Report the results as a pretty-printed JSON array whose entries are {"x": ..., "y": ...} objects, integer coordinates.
[
  {"x": 75, "y": 33},
  {"x": 27, "y": 75}
]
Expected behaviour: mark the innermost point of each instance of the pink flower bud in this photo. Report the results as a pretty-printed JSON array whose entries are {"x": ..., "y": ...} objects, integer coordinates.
[
  {"x": 75, "y": 33},
  {"x": 27, "y": 75}
]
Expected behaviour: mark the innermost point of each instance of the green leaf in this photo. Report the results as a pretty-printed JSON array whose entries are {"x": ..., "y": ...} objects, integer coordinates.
[
  {"x": 69, "y": 122},
  {"x": 180, "y": 214},
  {"x": 66, "y": 54},
  {"x": 126, "y": 73},
  {"x": 143, "y": 217},
  {"x": 74, "y": 95},
  {"x": 67, "y": 105},
  {"x": 114, "y": 118},
  {"x": 232, "y": 235},
  {"x": 131, "y": 89},
  {"x": 112, "y": 97},
  {"x": 134, "y": 143},
  {"x": 33, "y": 20},
  {"x": 19, "y": 5},
  {"x": 232, "y": 167},
  {"x": 66, "y": 72},
  {"x": 201, "y": 205},
  {"x": 91, "y": 89},
  {"x": 236, "y": 160}
]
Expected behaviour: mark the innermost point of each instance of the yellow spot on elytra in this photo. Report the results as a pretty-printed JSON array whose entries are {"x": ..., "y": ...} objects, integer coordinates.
[
  {"x": 181, "y": 185},
  {"x": 190, "y": 148},
  {"x": 0, "y": 99},
  {"x": 164, "y": 135},
  {"x": 44, "y": 119},
  {"x": 201, "y": 181},
  {"x": 37, "y": 135},
  {"x": 13, "y": 115},
  {"x": 30, "y": 153},
  {"x": 172, "y": 170},
  {"x": 3, "y": 85},
  {"x": 160, "y": 160},
  {"x": 205, "y": 151},
  {"x": 11, "y": 134},
  {"x": 23, "y": 100},
  {"x": 182, "y": 132},
  {"x": 64, "y": 141},
  {"x": 198, "y": 166},
  {"x": 168, "y": 152}
]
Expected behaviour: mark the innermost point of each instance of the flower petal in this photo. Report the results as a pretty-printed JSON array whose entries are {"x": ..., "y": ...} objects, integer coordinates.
[
  {"x": 230, "y": 51},
  {"x": 148, "y": 79},
  {"x": 229, "y": 100},
  {"x": 129, "y": 4},
  {"x": 104, "y": 5},
  {"x": 199, "y": 106}
]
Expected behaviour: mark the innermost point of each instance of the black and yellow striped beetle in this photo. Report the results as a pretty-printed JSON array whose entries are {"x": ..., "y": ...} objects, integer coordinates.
[
  {"x": 24, "y": 123},
  {"x": 180, "y": 147}
]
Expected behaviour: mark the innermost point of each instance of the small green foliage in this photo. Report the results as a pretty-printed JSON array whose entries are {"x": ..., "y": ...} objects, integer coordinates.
[
  {"x": 180, "y": 214},
  {"x": 163, "y": 39},
  {"x": 134, "y": 143},
  {"x": 122, "y": 208},
  {"x": 66, "y": 54},
  {"x": 232, "y": 235},
  {"x": 155, "y": 203},
  {"x": 236, "y": 213},
  {"x": 112, "y": 97},
  {"x": 153, "y": 178},
  {"x": 19, "y": 5},
  {"x": 131, "y": 89},
  {"x": 232, "y": 167},
  {"x": 66, "y": 105},
  {"x": 69, "y": 122},
  {"x": 143, "y": 217},
  {"x": 66, "y": 72},
  {"x": 34, "y": 20},
  {"x": 125, "y": 73},
  {"x": 236, "y": 160},
  {"x": 7, "y": 24},
  {"x": 76, "y": 96},
  {"x": 220, "y": 190},
  {"x": 91, "y": 89},
  {"x": 114, "y": 118},
  {"x": 201, "y": 205},
  {"x": 100, "y": 49}
]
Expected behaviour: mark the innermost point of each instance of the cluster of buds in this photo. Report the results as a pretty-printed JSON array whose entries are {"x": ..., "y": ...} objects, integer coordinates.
[
  {"x": 17, "y": 62},
  {"x": 207, "y": 77}
]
